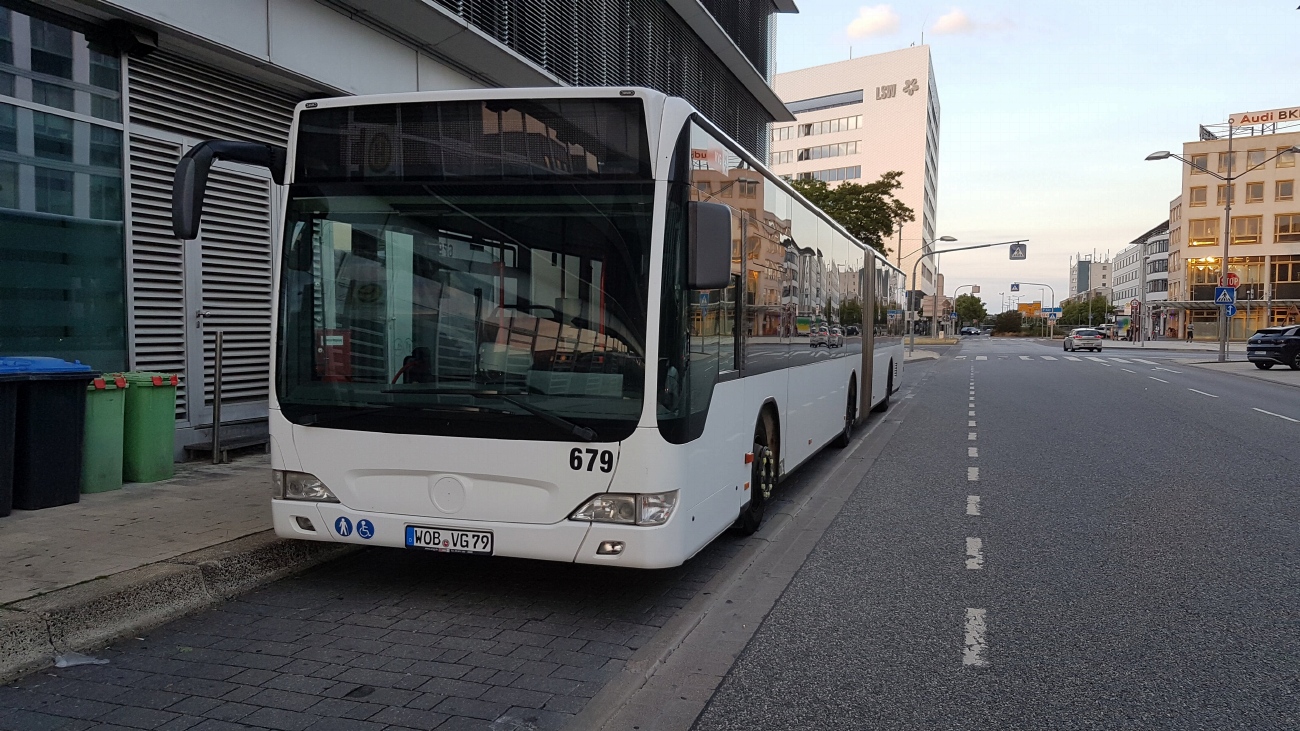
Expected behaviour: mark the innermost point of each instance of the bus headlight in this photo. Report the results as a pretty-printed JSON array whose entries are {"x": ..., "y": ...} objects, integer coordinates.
[
  {"x": 641, "y": 509},
  {"x": 286, "y": 485}
]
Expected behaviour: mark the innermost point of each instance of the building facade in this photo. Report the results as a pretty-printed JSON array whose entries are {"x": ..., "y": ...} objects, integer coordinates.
[
  {"x": 1089, "y": 277},
  {"x": 1264, "y": 250},
  {"x": 99, "y": 99},
  {"x": 859, "y": 119}
]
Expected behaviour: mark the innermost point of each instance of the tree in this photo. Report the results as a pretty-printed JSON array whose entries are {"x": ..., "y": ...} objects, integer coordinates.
[
  {"x": 1008, "y": 322},
  {"x": 870, "y": 212},
  {"x": 970, "y": 308},
  {"x": 1075, "y": 313},
  {"x": 850, "y": 312}
]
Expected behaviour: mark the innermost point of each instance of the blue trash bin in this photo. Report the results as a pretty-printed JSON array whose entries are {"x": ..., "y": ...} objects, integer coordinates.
[
  {"x": 48, "y": 429},
  {"x": 10, "y": 377}
]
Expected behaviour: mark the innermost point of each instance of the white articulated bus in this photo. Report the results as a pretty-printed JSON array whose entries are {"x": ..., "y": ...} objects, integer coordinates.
[{"x": 566, "y": 324}]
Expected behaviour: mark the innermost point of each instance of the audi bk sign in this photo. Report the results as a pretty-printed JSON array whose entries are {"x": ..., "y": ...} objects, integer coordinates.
[{"x": 1272, "y": 116}]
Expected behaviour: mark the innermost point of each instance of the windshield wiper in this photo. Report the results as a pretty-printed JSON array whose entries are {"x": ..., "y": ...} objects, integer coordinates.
[{"x": 586, "y": 434}]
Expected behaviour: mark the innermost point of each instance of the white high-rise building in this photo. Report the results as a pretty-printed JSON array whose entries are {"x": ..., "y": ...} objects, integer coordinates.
[{"x": 858, "y": 119}]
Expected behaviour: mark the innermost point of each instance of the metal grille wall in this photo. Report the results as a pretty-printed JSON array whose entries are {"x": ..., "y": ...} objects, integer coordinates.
[
  {"x": 636, "y": 43},
  {"x": 174, "y": 103}
]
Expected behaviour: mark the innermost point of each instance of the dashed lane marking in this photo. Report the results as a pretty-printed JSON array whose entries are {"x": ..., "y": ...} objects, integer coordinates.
[
  {"x": 1157, "y": 379},
  {"x": 1119, "y": 360},
  {"x": 960, "y": 357},
  {"x": 974, "y": 554},
  {"x": 981, "y": 357},
  {"x": 972, "y": 504},
  {"x": 1202, "y": 393},
  {"x": 970, "y": 437},
  {"x": 1127, "y": 370},
  {"x": 1166, "y": 369},
  {"x": 975, "y": 653},
  {"x": 1049, "y": 357},
  {"x": 1270, "y": 413},
  {"x": 1148, "y": 362},
  {"x": 972, "y": 474},
  {"x": 1025, "y": 357},
  {"x": 972, "y": 451},
  {"x": 971, "y": 424},
  {"x": 1071, "y": 357},
  {"x": 970, "y": 413}
]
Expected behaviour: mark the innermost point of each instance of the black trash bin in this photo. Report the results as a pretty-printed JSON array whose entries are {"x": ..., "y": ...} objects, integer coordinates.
[
  {"x": 10, "y": 376},
  {"x": 49, "y": 428}
]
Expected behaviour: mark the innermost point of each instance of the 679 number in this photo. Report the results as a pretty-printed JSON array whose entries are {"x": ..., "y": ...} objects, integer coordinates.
[{"x": 579, "y": 456}]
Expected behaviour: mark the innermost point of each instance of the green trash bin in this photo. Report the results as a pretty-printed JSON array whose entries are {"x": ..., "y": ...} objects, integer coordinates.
[
  {"x": 101, "y": 457},
  {"x": 149, "y": 427}
]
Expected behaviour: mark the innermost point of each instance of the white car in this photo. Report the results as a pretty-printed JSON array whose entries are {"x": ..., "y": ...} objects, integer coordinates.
[
  {"x": 1081, "y": 338},
  {"x": 835, "y": 339},
  {"x": 819, "y": 335}
]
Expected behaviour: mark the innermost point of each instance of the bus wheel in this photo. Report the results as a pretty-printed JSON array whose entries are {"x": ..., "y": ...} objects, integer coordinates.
[
  {"x": 762, "y": 482},
  {"x": 850, "y": 416},
  {"x": 889, "y": 390}
]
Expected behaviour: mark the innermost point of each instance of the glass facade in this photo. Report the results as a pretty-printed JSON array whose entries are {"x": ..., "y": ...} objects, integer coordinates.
[{"x": 62, "y": 279}]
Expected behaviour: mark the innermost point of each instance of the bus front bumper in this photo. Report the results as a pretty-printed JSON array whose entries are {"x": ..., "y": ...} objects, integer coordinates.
[{"x": 568, "y": 541}]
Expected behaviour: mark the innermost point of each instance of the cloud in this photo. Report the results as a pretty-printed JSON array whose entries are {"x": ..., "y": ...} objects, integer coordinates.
[
  {"x": 877, "y": 20},
  {"x": 953, "y": 22}
]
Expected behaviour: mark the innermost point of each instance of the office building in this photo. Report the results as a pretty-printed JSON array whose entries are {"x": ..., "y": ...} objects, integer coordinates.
[
  {"x": 1141, "y": 276},
  {"x": 100, "y": 98},
  {"x": 859, "y": 119},
  {"x": 1089, "y": 277},
  {"x": 1264, "y": 251}
]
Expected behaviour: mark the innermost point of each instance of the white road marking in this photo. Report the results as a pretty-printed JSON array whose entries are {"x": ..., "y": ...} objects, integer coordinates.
[
  {"x": 1025, "y": 357},
  {"x": 1148, "y": 362},
  {"x": 1071, "y": 357},
  {"x": 1203, "y": 393},
  {"x": 971, "y": 424},
  {"x": 972, "y": 504},
  {"x": 972, "y": 474},
  {"x": 1093, "y": 358},
  {"x": 1157, "y": 379},
  {"x": 970, "y": 437},
  {"x": 1049, "y": 357},
  {"x": 1119, "y": 360},
  {"x": 970, "y": 413},
  {"x": 973, "y": 654},
  {"x": 960, "y": 357},
  {"x": 1127, "y": 370},
  {"x": 1270, "y": 413},
  {"x": 1166, "y": 369},
  {"x": 972, "y": 451},
  {"x": 981, "y": 357},
  {"x": 974, "y": 554}
]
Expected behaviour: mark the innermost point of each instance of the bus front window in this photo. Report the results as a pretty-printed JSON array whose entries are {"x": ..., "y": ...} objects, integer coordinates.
[{"x": 488, "y": 307}]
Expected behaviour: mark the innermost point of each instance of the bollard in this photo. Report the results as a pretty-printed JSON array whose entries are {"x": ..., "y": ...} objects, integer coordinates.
[{"x": 216, "y": 399}]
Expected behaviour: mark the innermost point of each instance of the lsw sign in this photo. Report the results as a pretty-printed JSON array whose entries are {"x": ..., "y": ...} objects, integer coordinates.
[{"x": 1019, "y": 251}]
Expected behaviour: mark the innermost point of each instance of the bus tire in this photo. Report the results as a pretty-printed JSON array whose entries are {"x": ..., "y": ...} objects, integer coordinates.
[
  {"x": 850, "y": 417},
  {"x": 762, "y": 482},
  {"x": 883, "y": 406}
]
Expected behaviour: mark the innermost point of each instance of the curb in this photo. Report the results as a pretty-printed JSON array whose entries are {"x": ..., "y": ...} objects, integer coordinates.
[
  {"x": 95, "y": 613},
  {"x": 1203, "y": 366}
]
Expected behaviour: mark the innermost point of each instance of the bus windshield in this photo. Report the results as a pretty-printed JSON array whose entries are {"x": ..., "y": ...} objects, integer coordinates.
[{"x": 506, "y": 303}]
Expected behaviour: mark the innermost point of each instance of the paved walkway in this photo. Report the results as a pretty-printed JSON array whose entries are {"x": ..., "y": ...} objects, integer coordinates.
[
  {"x": 1277, "y": 374},
  {"x": 1203, "y": 346},
  {"x": 108, "y": 533}
]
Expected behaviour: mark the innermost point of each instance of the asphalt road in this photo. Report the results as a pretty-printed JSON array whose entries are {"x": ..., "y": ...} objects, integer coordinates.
[{"x": 1103, "y": 544}]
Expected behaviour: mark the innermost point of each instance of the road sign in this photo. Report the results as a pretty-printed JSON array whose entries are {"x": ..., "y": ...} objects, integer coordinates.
[
  {"x": 975, "y": 289},
  {"x": 1230, "y": 310},
  {"x": 1233, "y": 280},
  {"x": 1135, "y": 303},
  {"x": 1015, "y": 286},
  {"x": 1019, "y": 251},
  {"x": 1053, "y": 315},
  {"x": 1225, "y": 295}
]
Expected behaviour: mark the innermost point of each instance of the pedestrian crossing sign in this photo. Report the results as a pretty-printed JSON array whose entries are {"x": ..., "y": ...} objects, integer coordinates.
[{"x": 1225, "y": 295}]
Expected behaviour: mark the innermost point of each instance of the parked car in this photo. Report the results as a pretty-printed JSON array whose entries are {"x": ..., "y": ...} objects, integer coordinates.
[
  {"x": 1107, "y": 331},
  {"x": 818, "y": 336},
  {"x": 835, "y": 339},
  {"x": 970, "y": 331},
  {"x": 852, "y": 330},
  {"x": 1083, "y": 338},
  {"x": 1274, "y": 345}
]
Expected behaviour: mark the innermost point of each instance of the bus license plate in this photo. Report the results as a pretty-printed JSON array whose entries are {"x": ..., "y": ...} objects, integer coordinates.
[{"x": 448, "y": 540}]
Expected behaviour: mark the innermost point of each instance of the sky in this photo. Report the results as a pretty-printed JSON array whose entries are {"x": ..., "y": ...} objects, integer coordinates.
[{"x": 1049, "y": 107}]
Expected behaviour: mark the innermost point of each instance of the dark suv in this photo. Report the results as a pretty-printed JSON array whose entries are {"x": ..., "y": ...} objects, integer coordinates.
[{"x": 1275, "y": 345}]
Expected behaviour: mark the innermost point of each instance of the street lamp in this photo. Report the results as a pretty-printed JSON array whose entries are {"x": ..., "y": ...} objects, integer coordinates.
[
  {"x": 1227, "y": 219},
  {"x": 924, "y": 245}
]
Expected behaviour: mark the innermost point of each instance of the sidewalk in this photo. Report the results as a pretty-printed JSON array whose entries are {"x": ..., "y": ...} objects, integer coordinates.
[
  {"x": 76, "y": 577},
  {"x": 1196, "y": 346},
  {"x": 1245, "y": 369},
  {"x": 919, "y": 355}
]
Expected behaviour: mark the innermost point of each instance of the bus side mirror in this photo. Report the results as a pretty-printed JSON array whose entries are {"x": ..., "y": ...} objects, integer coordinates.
[
  {"x": 191, "y": 180},
  {"x": 710, "y": 246}
]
